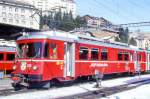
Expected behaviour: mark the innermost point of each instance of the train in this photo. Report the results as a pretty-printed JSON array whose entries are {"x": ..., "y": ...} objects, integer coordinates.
[
  {"x": 7, "y": 57},
  {"x": 50, "y": 56}
]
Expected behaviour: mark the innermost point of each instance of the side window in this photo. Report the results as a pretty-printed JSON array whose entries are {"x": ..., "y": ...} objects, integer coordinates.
[
  {"x": 139, "y": 57},
  {"x": 83, "y": 53},
  {"x": 46, "y": 52},
  {"x": 104, "y": 54},
  {"x": 94, "y": 54},
  {"x": 120, "y": 55},
  {"x": 10, "y": 57},
  {"x": 53, "y": 47},
  {"x": 1, "y": 56},
  {"x": 126, "y": 56}
]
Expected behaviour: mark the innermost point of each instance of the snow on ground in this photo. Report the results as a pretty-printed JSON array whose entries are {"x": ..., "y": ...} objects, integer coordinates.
[
  {"x": 142, "y": 92},
  {"x": 81, "y": 88}
]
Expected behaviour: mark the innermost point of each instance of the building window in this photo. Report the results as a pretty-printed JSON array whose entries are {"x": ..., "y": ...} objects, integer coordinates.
[
  {"x": 4, "y": 8},
  {"x": 16, "y": 16},
  {"x": 10, "y": 20},
  {"x": 23, "y": 22},
  {"x": 10, "y": 15},
  {"x": 120, "y": 55},
  {"x": 94, "y": 54},
  {"x": 10, "y": 8},
  {"x": 17, "y": 21},
  {"x": 22, "y": 17},
  {"x": 22, "y": 10},
  {"x": 31, "y": 23},
  {"x": 83, "y": 53},
  {"x": 4, "y": 14},
  {"x": 104, "y": 54},
  {"x": 4, "y": 20},
  {"x": 16, "y": 9}
]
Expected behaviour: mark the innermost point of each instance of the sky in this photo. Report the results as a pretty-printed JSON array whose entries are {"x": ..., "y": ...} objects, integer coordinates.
[{"x": 117, "y": 11}]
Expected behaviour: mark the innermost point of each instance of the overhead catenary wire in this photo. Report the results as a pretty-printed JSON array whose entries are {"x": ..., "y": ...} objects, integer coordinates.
[{"x": 112, "y": 10}]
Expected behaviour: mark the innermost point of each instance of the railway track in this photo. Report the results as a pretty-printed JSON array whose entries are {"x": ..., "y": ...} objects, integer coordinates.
[
  {"x": 107, "y": 91},
  {"x": 101, "y": 92}
]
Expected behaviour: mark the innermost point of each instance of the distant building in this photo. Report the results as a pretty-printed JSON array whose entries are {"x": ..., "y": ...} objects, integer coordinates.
[
  {"x": 17, "y": 13},
  {"x": 108, "y": 36},
  {"x": 95, "y": 22},
  {"x": 142, "y": 39},
  {"x": 54, "y": 5}
]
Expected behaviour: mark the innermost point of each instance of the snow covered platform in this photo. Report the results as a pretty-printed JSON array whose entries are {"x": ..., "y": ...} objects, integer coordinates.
[
  {"x": 86, "y": 87},
  {"x": 5, "y": 83}
]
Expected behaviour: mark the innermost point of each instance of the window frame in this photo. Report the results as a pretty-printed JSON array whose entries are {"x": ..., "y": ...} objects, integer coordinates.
[
  {"x": 97, "y": 56},
  {"x": 104, "y": 50},
  {"x": 87, "y": 56}
]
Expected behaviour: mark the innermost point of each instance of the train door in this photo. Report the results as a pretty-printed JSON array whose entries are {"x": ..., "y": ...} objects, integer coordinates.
[
  {"x": 69, "y": 68},
  {"x": 147, "y": 61},
  {"x": 136, "y": 62}
]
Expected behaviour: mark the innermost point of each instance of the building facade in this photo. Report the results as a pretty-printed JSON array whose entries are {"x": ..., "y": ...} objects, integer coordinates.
[
  {"x": 20, "y": 14},
  {"x": 95, "y": 22},
  {"x": 142, "y": 39},
  {"x": 55, "y": 5}
]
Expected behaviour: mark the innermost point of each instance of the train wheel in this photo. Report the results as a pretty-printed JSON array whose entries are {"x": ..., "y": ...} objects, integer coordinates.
[
  {"x": 16, "y": 86},
  {"x": 43, "y": 84}
]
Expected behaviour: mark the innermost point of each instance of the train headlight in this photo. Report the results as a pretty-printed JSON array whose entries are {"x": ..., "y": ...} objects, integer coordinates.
[
  {"x": 34, "y": 67},
  {"x": 14, "y": 67}
]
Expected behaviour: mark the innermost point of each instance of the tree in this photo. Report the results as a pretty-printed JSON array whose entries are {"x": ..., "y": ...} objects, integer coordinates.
[
  {"x": 63, "y": 21},
  {"x": 123, "y": 35},
  {"x": 133, "y": 42}
]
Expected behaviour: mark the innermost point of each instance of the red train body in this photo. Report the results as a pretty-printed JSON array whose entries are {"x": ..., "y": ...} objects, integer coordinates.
[
  {"x": 7, "y": 56},
  {"x": 45, "y": 56}
]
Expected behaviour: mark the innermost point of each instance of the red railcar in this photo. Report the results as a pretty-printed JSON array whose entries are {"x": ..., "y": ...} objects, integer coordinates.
[
  {"x": 7, "y": 56},
  {"x": 47, "y": 56}
]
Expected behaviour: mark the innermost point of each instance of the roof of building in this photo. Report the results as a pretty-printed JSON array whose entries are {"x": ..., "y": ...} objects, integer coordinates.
[
  {"x": 16, "y": 2},
  {"x": 103, "y": 34},
  {"x": 140, "y": 35}
]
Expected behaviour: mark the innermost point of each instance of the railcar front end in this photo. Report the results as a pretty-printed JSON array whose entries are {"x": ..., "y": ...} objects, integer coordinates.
[{"x": 35, "y": 63}]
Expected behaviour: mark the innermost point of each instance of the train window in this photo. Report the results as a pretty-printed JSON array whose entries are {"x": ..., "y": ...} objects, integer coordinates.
[
  {"x": 120, "y": 56},
  {"x": 83, "y": 53},
  {"x": 139, "y": 57},
  {"x": 10, "y": 56},
  {"x": 46, "y": 50},
  {"x": 94, "y": 54},
  {"x": 1, "y": 56},
  {"x": 54, "y": 51},
  {"x": 126, "y": 56},
  {"x": 104, "y": 55}
]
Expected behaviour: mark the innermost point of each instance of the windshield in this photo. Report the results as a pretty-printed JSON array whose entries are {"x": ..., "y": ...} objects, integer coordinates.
[{"x": 29, "y": 50}]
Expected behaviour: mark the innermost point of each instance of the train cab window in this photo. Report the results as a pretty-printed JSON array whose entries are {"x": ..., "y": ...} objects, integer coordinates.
[
  {"x": 120, "y": 56},
  {"x": 10, "y": 56},
  {"x": 126, "y": 56},
  {"x": 104, "y": 54},
  {"x": 83, "y": 53},
  {"x": 94, "y": 54},
  {"x": 53, "y": 47},
  {"x": 1, "y": 56},
  {"x": 46, "y": 50}
]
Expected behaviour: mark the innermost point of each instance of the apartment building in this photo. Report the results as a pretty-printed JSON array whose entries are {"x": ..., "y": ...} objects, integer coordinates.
[
  {"x": 17, "y": 13},
  {"x": 54, "y": 5},
  {"x": 96, "y": 22}
]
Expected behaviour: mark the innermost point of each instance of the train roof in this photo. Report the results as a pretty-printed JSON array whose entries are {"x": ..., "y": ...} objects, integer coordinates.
[{"x": 66, "y": 36}]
